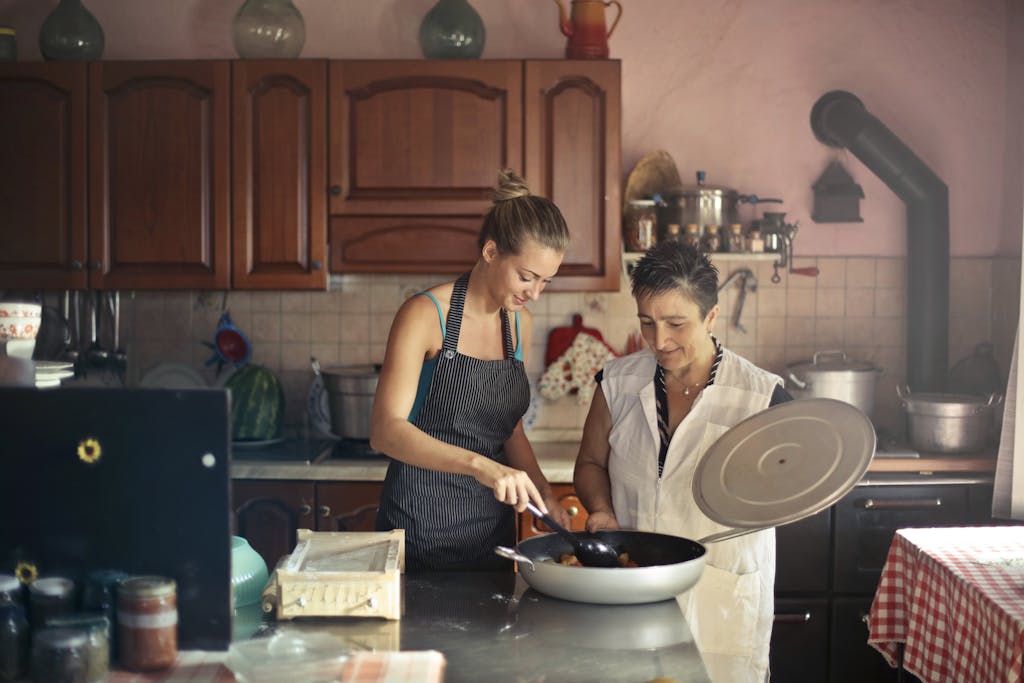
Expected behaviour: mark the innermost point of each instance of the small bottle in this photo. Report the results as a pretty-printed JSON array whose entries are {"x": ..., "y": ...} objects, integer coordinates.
[
  {"x": 737, "y": 243},
  {"x": 147, "y": 622},
  {"x": 672, "y": 233},
  {"x": 691, "y": 237},
  {"x": 755, "y": 244},
  {"x": 711, "y": 242}
]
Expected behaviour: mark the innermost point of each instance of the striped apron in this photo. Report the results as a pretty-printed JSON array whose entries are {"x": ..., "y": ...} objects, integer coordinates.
[{"x": 452, "y": 521}]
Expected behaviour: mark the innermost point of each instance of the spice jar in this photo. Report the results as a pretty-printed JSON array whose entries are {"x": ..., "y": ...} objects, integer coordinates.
[
  {"x": 755, "y": 244},
  {"x": 96, "y": 629},
  {"x": 147, "y": 622},
  {"x": 672, "y": 233},
  {"x": 14, "y": 638},
  {"x": 60, "y": 655},
  {"x": 640, "y": 225},
  {"x": 691, "y": 237},
  {"x": 48, "y": 597},
  {"x": 710, "y": 241}
]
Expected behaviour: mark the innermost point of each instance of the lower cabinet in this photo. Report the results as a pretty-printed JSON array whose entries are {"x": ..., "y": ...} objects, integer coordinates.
[
  {"x": 267, "y": 512},
  {"x": 828, "y": 568}
]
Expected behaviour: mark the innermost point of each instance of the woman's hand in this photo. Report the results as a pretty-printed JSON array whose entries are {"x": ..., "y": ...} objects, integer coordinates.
[
  {"x": 556, "y": 511},
  {"x": 510, "y": 485},
  {"x": 602, "y": 520}
]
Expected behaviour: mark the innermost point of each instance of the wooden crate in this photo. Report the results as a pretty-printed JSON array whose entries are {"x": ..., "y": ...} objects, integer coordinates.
[{"x": 339, "y": 574}]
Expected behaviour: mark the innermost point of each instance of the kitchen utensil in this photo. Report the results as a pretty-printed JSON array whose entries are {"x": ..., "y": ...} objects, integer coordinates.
[
  {"x": 95, "y": 354},
  {"x": 948, "y": 423},
  {"x": 350, "y": 391},
  {"x": 778, "y": 237},
  {"x": 589, "y": 550},
  {"x": 776, "y": 467},
  {"x": 831, "y": 374}
]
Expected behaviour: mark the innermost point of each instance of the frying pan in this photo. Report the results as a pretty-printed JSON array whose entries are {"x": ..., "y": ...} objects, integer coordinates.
[{"x": 781, "y": 465}]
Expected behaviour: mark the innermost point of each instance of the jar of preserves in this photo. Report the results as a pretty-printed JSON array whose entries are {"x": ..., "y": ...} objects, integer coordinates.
[
  {"x": 48, "y": 597},
  {"x": 639, "y": 225},
  {"x": 97, "y": 632},
  {"x": 711, "y": 241},
  {"x": 737, "y": 242},
  {"x": 691, "y": 236},
  {"x": 14, "y": 639},
  {"x": 60, "y": 655},
  {"x": 147, "y": 622}
]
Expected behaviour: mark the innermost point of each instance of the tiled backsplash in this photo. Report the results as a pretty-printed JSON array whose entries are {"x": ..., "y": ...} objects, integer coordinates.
[{"x": 855, "y": 304}]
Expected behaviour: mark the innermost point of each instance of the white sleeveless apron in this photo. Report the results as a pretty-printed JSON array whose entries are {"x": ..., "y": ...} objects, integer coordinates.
[{"x": 730, "y": 610}]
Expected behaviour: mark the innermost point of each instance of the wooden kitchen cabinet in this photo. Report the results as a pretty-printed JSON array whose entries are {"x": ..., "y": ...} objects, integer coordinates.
[
  {"x": 279, "y": 175},
  {"x": 415, "y": 148},
  {"x": 43, "y": 191},
  {"x": 159, "y": 174},
  {"x": 268, "y": 512},
  {"x": 347, "y": 506}
]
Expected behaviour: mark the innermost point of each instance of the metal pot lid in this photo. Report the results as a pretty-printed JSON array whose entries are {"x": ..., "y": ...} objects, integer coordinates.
[
  {"x": 832, "y": 361},
  {"x": 784, "y": 463},
  {"x": 946, "y": 405}
]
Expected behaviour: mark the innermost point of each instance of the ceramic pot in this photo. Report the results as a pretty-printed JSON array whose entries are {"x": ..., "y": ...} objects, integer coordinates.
[
  {"x": 452, "y": 29},
  {"x": 71, "y": 32}
]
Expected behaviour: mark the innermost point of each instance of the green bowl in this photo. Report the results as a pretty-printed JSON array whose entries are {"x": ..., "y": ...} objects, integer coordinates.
[{"x": 248, "y": 573}]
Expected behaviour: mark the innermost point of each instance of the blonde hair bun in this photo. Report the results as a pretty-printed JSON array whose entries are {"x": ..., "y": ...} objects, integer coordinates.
[{"x": 510, "y": 186}]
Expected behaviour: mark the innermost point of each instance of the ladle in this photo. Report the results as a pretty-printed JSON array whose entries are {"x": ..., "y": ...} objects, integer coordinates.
[{"x": 590, "y": 551}]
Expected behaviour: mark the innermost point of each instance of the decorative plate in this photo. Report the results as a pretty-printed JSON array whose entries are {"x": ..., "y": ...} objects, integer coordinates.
[
  {"x": 173, "y": 376},
  {"x": 47, "y": 367}
]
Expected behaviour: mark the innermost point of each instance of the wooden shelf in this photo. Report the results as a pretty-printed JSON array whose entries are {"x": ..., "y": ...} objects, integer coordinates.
[{"x": 932, "y": 464}]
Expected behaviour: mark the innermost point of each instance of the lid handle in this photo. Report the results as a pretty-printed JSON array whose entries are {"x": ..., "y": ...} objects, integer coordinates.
[{"x": 826, "y": 354}]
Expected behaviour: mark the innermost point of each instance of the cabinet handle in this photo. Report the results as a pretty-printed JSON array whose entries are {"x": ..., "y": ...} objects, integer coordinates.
[
  {"x": 336, "y": 190},
  {"x": 325, "y": 510},
  {"x": 872, "y": 504},
  {"x": 76, "y": 264},
  {"x": 572, "y": 510},
  {"x": 96, "y": 264},
  {"x": 800, "y": 618},
  {"x": 316, "y": 265},
  {"x": 305, "y": 510}
]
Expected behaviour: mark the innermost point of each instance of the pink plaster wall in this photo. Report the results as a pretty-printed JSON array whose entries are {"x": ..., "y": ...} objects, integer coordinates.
[{"x": 726, "y": 86}]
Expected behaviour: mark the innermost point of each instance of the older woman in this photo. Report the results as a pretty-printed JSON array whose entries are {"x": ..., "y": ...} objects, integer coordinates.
[{"x": 653, "y": 416}]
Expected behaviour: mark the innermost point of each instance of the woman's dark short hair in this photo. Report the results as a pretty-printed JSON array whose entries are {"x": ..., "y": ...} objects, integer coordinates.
[
  {"x": 517, "y": 216},
  {"x": 674, "y": 266}
]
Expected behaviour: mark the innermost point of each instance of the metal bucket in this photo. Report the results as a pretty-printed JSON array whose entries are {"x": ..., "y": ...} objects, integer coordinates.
[{"x": 350, "y": 392}]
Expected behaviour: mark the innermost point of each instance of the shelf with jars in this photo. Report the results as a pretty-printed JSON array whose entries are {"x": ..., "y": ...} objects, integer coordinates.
[{"x": 629, "y": 258}]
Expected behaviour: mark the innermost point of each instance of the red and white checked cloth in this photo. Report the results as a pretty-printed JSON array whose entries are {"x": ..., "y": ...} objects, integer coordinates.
[
  {"x": 955, "y": 598},
  {"x": 424, "y": 666}
]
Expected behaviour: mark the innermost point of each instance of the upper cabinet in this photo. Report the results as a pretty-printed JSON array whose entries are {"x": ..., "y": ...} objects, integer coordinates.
[
  {"x": 279, "y": 191},
  {"x": 43, "y": 199},
  {"x": 159, "y": 160},
  {"x": 415, "y": 149}
]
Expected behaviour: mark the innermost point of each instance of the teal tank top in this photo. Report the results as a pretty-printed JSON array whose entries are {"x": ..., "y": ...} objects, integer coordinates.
[{"x": 427, "y": 371}]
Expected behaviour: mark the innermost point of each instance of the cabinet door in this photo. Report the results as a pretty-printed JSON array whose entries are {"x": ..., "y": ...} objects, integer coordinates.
[
  {"x": 803, "y": 550},
  {"x": 867, "y": 518},
  {"x": 267, "y": 513},
  {"x": 43, "y": 227},
  {"x": 572, "y": 112},
  {"x": 159, "y": 141},
  {"x": 415, "y": 150},
  {"x": 346, "y": 506},
  {"x": 799, "y": 649},
  {"x": 851, "y": 659},
  {"x": 279, "y": 193},
  {"x": 528, "y": 526}
]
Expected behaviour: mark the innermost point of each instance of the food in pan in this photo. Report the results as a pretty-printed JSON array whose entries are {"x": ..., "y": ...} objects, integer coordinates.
[{"x": 569, "y": 560}]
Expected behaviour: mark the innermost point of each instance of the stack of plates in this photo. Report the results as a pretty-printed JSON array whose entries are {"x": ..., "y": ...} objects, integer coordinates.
[{"x": 49, "y": 373}]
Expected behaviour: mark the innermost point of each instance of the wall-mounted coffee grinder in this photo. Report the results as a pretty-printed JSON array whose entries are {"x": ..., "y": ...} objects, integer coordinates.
[{"x": 778, "y": 237}]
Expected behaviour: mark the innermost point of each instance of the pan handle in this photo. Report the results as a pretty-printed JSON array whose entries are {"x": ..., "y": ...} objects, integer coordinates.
[
  {"x": 510, "y": 554},
  {"x": 729, "y": 533}
]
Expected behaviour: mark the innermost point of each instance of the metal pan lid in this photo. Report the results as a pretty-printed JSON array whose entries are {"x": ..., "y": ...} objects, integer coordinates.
[{"x": 784, "y": 463}]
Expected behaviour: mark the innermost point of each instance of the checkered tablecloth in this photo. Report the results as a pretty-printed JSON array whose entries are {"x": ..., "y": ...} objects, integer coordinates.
[{"x": 955, "y": 598}]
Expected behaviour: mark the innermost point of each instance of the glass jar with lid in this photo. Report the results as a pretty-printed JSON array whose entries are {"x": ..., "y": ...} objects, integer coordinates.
[
  {"x": 147, "y": 622},
  {"x": 737, "y": 243},
  {"x": 640, "y": 224},
  {"x": 711, "y": 241},
  {"x": 60, "y": 655},
  {"x": 691, "y": 235},
  {"x": 14, "y": 641},
  {"x": 49, "y": 596},
  {"x": 11, "y": 590}
]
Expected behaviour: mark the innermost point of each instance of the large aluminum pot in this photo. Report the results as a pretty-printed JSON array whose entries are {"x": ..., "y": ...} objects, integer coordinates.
[
  {"x": 669, "y": 565},
  {"x": 830, "y": 374},
  {"x": 704, "y": 205},
  {"x": 350, "y": 391},
  {"x": 948, "y": 423}
]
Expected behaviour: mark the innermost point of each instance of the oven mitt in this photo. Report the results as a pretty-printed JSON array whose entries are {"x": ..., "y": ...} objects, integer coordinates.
[{"x": 574, "y": 370}]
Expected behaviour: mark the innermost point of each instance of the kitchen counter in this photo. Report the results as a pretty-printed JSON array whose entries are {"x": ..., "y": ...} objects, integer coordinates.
[
  {"x": 492, "y": 626},
  {"x": 556, "y": 458}
]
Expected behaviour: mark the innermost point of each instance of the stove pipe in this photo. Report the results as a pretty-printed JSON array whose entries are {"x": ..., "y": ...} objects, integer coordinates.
[{"x": 839, "y": 119}]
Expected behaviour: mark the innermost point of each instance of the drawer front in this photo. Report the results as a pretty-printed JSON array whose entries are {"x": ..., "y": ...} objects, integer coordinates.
[
  {"x": 868, "y": 517},
  {"x": 803, "y": 552},
  {"x": 799, "y": 649},
  {"x": 852, "y": 660}
]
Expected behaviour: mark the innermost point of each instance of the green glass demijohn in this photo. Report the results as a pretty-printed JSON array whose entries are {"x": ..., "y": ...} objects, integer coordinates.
[
  {"x": 269, "y": 29},
  {"x": 71, "y": 32},
  {"x": 452, "y": 29}
]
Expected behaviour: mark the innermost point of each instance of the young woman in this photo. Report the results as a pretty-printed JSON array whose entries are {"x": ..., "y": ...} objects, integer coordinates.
[
  {"x": 453, "y": 390},
  {"x": 653, "y": 416}
]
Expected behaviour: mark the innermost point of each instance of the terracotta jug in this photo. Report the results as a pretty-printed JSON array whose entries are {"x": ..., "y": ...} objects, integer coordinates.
[{"x": 586, "y": 29}]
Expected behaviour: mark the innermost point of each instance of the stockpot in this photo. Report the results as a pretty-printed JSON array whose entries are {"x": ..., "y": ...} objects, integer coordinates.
[
  {"x": 948, "y": 423},
  {"x": 831, "y": 374},
  {"x": 350, "y": 392},
  {"x": 704, "y": 205}
]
